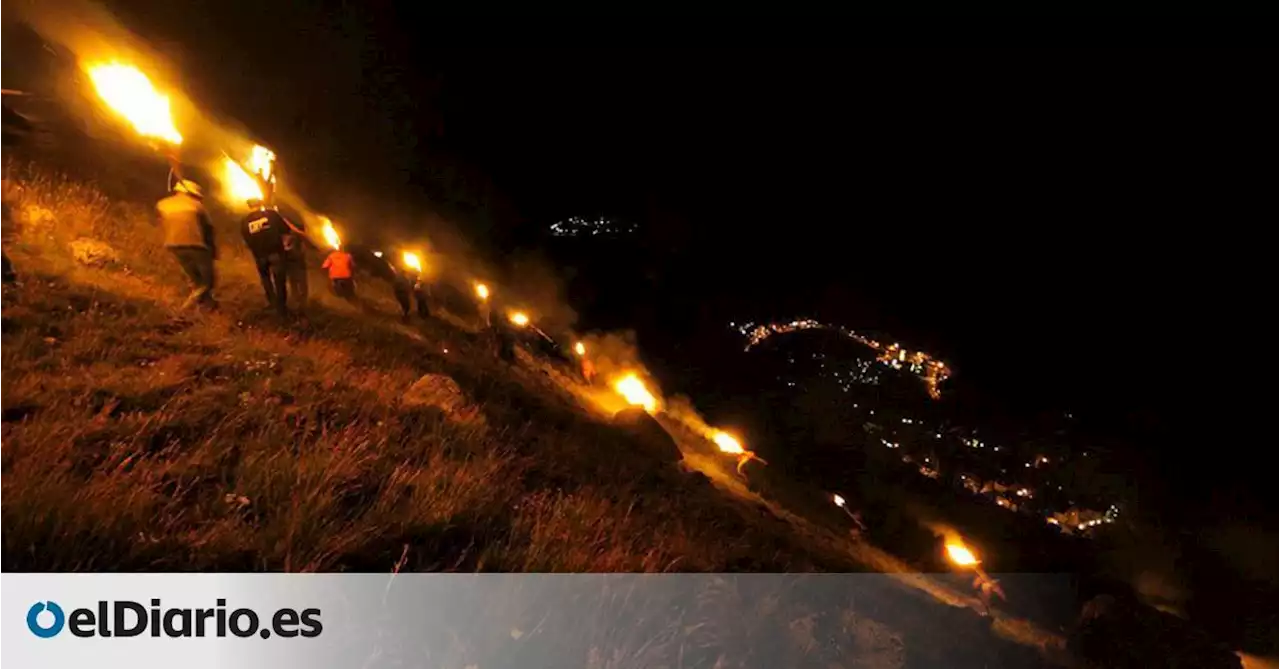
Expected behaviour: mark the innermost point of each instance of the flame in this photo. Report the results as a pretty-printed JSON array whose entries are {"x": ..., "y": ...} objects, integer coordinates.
[
  {"x": 727, "y": 443},
  {"x": 482, "y": 291},
  {"x": 129, "y": 92},
  {"x": 377, "y": 254},
  {"x": 580, "y": 348},
  {"x": 961, "y": 555},
  {"x": 838, "y": 500},
  {"x": 519, "y": 318},
  {"x": 330, "y": 234},
  {"x": 239, "y": 183},
  {"x": 262, "y": 162},
  {"x": 412, "y": 261},
  {"x": 634, "y": 391}
]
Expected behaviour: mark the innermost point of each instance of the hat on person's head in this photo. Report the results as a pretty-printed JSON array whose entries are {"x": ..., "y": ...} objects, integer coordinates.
[{"x": 189, "y": 187}]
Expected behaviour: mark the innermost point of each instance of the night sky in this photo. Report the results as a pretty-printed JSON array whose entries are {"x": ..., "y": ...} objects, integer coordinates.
[{"x": 1072, "y": 230}]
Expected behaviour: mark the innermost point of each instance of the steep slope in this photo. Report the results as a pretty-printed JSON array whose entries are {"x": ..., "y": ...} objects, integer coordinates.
[{"x": 140, "y": 437}]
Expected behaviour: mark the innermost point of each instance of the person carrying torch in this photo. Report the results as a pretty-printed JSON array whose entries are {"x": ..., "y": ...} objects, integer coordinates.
[
  {"x": 339, "y": 264},
  {"x": 482, "y": 294},
  {"x": 188, "y": 234},
  {"x": 588, "y": 368},
  {"x": 961, "y": 556},
  {"x": 264, "y": 231},
  {"x": 262, "y": 168},
  {"x": 412, "y": 272}
]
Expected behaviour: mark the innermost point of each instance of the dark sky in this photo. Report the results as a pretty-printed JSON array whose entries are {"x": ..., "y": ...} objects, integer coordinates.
[{"x": 1072, "y": 229}]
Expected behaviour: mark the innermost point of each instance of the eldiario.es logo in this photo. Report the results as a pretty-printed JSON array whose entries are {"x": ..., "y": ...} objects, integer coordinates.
[{"x": 124, "y": 618}]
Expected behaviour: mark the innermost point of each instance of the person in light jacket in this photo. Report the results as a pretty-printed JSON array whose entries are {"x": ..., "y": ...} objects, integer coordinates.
[{"x": 188, "y": 234}]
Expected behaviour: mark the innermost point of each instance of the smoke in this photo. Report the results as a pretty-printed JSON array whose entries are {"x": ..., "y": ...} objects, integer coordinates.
[
  {"x": 943, "y": 531},
  {"x": 615, "y": 354},
  {"x": 536, "y": 286}
]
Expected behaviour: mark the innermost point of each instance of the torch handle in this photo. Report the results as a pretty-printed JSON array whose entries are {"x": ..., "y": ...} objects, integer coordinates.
[{"x": 175, "y": 168}]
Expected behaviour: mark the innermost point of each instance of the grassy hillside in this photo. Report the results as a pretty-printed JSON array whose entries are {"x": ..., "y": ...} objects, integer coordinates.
[{"x": 138, "y": 437}]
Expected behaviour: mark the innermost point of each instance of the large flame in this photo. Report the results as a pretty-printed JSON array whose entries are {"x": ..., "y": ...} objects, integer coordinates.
[
  {"x": 519, "y": 318},
  {"x": 239, "y": 184},
  {"x": 727, "y": 443},
  {"x": 634, "y": 391},
  {"x": 262, "y": 162},
  {"x": 129, "y": 92},
  {"x": 960, "y": 554},
  {"x": 482, "y": 291},
  {"x": 412, "y": 261},
  {"x": 330, "y": 234}
]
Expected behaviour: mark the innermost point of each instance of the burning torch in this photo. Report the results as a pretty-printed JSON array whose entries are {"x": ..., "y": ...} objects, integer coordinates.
[
  {"x": 129, "y": 93},
  {"x": 727, "y": 443},
  {"x": 330, "y": 234},
  {"x": 839, "y": 501},
  {"x": 482, "y": 293},
  {"x": 588, "y": 368},
  {"x": 963, "y": 557},
  {"x": 633, "y": 390}
]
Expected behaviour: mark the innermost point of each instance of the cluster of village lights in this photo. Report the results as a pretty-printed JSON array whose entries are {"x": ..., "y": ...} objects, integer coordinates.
[{"x": 931, "y": 371}]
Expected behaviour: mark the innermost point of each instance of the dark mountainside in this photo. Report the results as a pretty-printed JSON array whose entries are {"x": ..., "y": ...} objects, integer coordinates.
[{"x": 120, "y": 408}]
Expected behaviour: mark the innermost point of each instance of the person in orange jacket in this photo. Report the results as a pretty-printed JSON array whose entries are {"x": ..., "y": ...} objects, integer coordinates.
[{"x": 341, "y": 267}]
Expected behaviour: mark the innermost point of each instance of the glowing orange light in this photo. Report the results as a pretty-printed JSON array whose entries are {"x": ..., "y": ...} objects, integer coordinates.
[
  {"x": 519, "y": 318},
  {"x": 580, "y": 348},
  {"x": 412, "y": 261},
  {"x": 239, "y": 184},
  {"x": 728, "y": 443},
  {"x": 482, "y": 291},
  {"x": 129, "y": 93},
  {"x": 330, "y": 234},
  {"x": 961, "y": 555},
  {"x": 635, "y": 393},
  {"x": 262, "y": 162}
]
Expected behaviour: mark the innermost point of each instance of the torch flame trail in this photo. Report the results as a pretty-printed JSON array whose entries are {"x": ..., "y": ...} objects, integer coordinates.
[
  {"x": 129, "y": 92},
  {"x": 330, "y": 234},
  {"x": 239, "y": 184},
  {"x": 412, "y": 261},
  {"x": 634, "y": 391},
  {"x": 262, "y": 162},
  {"x": 961, "y": 555},
  {"x": 728, "y": 443}
]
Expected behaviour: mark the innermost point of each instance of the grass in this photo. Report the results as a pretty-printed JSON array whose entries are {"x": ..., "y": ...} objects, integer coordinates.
[{"x": 138, "y": 437}]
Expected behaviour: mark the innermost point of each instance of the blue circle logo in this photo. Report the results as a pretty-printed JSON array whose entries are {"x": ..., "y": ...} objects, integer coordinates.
[{"x": 33, "y": 619}]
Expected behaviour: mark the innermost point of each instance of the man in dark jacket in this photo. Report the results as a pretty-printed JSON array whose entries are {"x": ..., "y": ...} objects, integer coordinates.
[
  {"x": 402, "y": 284},
  {"x": 295, "y": 261},
  {"x": 264, "y": 231},
  {"x": 188, "y": 234}
]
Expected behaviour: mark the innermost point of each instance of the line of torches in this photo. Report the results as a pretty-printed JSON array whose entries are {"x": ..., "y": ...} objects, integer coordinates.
[{"x": 129, "y": 93}]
